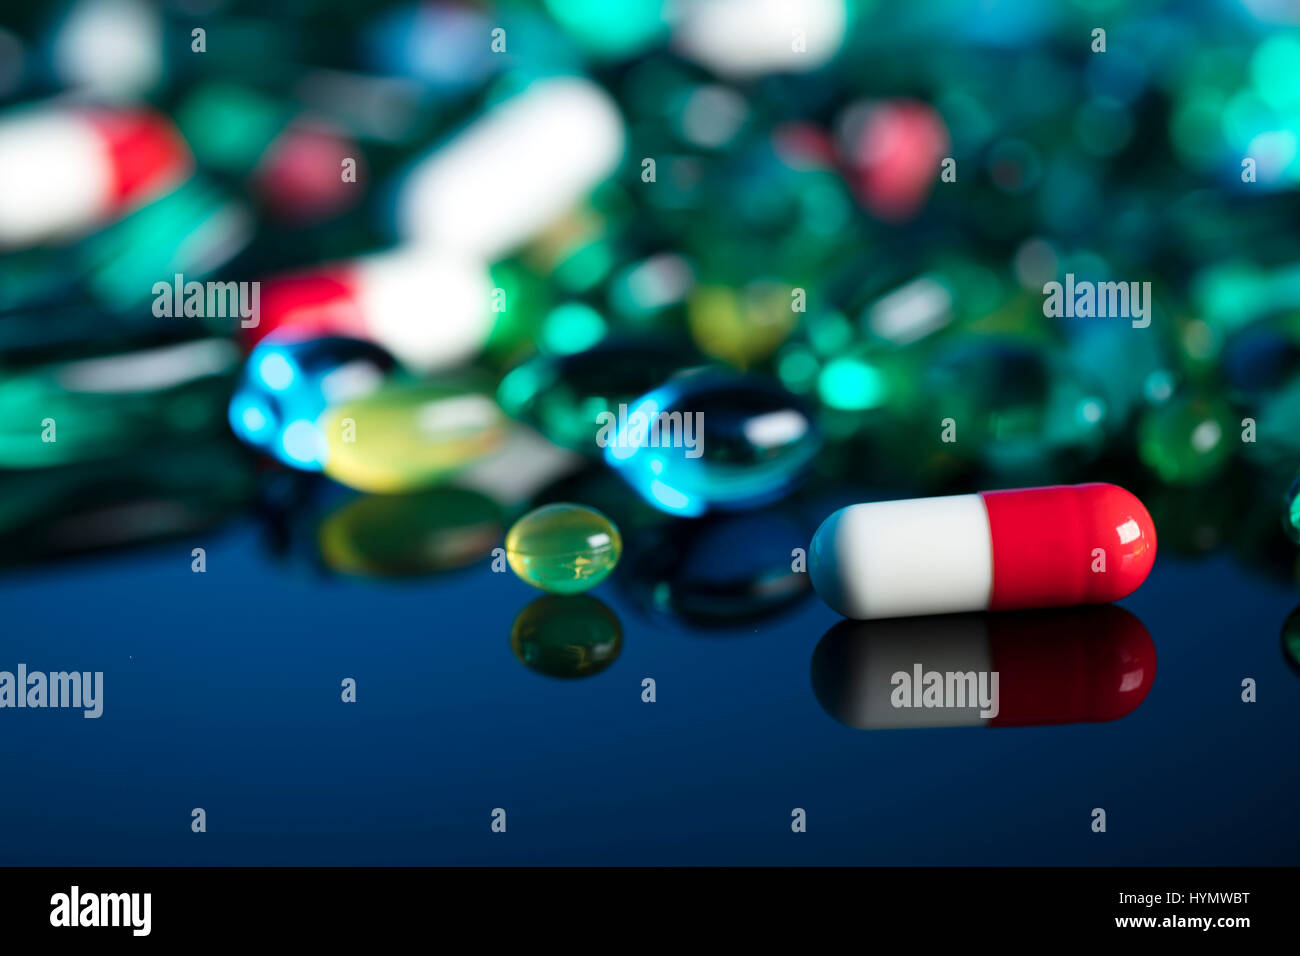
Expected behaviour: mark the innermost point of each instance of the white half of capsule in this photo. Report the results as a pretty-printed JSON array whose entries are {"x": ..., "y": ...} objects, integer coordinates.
[
  {"x": 880, "y": 690},
  {"x": 431, "y": 310},
  {"x": 899, "y": 558},
  {"x": 506, "y": 176},
  {"x": 56, "y": 174}
]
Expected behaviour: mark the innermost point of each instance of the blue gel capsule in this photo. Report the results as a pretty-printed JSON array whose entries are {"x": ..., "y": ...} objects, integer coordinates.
[
  {"x": 432, "y": 43},
  {"x": 709, "y": 440},
  {"x": 1260, "y": 359},
  {"x": 286, "y": 385}
]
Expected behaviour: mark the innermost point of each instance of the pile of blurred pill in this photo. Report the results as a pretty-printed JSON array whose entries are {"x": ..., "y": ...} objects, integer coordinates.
[{"x": 685, "y": 276}]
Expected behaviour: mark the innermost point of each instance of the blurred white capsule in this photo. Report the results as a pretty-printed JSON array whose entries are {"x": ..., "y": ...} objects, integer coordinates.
[
  {"x": 509, "y": 174},
  {"x": 113, "y": 47},
  {"x": 745, "y": 38}
]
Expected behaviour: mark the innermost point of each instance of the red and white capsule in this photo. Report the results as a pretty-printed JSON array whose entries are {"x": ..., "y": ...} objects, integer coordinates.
[
  {"x": 431, "y": 310},
  {"x": 992, "y": 551},
  {"x": 69, "y": 169}
]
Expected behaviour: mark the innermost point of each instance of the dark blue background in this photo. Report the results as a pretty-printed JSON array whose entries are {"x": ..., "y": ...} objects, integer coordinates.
[{"x": 222, "y": 692}]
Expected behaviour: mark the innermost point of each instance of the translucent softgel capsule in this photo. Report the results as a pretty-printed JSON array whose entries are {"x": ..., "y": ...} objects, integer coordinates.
[
  {"x": 287, "y": 384},
  {"x": 409, "y": 436},
  {"x": 1291, "y": 511},
  {"x": 563, "y": 548},
  {"x": 1188, "y": 440},
  {"x": 565, "y": 396},
  {"x": 1014, "y": 403},
  {"x": 713, "y": 441}
]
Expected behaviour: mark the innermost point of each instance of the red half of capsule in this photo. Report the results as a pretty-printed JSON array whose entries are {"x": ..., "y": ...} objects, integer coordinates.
[
  {"x": 146, "y": 152},
  {"x": 310, "y": 304},
  {"x": 1067, "y": 544}
]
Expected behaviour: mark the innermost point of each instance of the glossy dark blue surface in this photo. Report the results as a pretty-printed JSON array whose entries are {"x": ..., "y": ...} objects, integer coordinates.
[{"x": 222, "y": 691}]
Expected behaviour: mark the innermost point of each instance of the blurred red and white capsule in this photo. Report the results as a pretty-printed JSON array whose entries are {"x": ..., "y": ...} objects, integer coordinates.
[
  {"x": 68, "y": 169},
  {"x": 431, "y": 310}
]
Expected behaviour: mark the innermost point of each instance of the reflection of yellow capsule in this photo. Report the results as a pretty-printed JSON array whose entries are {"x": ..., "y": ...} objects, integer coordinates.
[
  {"x": 392, "y": 535},
  {"x": 572, "y": 635},
  {"x": 1015, "y": 669},
  {"x": 405, "y": 437}
]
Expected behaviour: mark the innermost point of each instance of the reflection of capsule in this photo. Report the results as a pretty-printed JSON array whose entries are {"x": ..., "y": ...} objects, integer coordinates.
[
  {"x": 397, "y": 535},
  {"x": 162, "y": 490},
  {"x": 1019, "y": 669},
  {"x": 107, "y": 405},
  {"x": 571, "y": 635},
  {"x": 720, "y": 571},
  {"x": 1291, "y": 640}
]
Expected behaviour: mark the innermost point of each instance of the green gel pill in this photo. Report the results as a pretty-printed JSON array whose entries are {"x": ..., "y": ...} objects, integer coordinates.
[
  {"x": 1188, "y": 440},
  {"x": 563, "y": 548},
  {"x": 1291, "y": 513}
]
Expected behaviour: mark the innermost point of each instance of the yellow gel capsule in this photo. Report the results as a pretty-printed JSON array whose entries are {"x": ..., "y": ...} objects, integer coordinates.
[
  {"x": 409, "y": 436},
  {"x": 741, "y": 326},
  {"x": 563, "y": 548}
]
